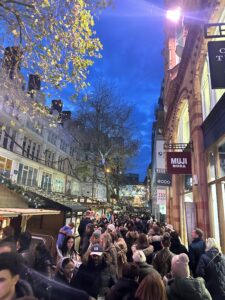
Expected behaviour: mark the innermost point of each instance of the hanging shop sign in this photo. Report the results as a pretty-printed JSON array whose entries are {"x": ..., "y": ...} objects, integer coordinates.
[
  {"x": 216, "y": 51},
  {"x": 161, "y": 196},
  {"x": 163, "y": 179},
  {"x": 179, "y": 162}
]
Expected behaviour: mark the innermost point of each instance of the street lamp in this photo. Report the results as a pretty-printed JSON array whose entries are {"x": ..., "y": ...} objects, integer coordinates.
[{"x": 174, "y": 15}]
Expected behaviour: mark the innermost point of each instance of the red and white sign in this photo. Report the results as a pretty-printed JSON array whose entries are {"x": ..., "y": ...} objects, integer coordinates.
[
  {"x": 179, "y": 162},
  {"x": 161, "y": 196}
]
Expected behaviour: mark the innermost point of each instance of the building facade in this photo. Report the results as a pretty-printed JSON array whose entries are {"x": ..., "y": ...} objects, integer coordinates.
[
  {"x": 36, "y": 149},
  {"x": 191, "y": 105}
]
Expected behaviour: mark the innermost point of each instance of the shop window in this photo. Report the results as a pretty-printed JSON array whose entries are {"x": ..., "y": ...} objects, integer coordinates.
[
  {"x": 221, "y": 151},
  {"x": 223, "y": 195},
  {"x": 215, "y": 213},
  {"x": 212, "y": 170}
]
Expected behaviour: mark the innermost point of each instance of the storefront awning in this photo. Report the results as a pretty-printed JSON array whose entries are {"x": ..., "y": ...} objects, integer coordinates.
[{"x": 15, "y": 212}]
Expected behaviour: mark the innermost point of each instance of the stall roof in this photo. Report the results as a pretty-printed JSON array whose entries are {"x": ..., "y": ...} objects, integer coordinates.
[
  {"x": 14, "y": 212},
  {"x": 40, "y": 201},
  {"x": 77, "y": 207}
]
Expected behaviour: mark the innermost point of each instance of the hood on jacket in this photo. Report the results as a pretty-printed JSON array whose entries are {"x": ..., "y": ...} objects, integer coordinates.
[
  {"x": 184, "y": 288},
  {"x": 212, "y": 252}
]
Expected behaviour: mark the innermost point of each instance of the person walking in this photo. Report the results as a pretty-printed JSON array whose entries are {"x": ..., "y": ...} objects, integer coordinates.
[
  {"x": 196, "y": 249},
  {"x": 151, "y": 288},
  {"x": 162, "y": 260},
  {"x": 211, "y": 267},
  {"x": 126, "y": 286},
  {"x": 142, "y": 243},
  {"x": 23, "y": 248},
  {"x": 182, "y": 286},
  {"x": 96, "y": 276},
  {"x": 145, "y": 269},
  {"x": 176, "y": 247},
  {"x": 64, "y": 231},
  {"x": 11, "y": 286},
  {"x": 68, "y": 250}
]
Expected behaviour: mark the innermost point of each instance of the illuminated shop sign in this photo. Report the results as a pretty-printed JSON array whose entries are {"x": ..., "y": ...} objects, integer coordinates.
[
  {"x": 163, "y": 179},
  {"x": 179, "y": 162},
  {"x": 216, "y": 50}
]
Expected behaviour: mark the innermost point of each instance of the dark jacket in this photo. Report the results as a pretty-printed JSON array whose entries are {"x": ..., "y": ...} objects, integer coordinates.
[
  {"x": 196, "y": 249},
  {"x": 95, "y": 279},
  {"x": 211, "y": 267},
  {"x": 82, "y": 226},
  {"x": 187, "y": 288},
  {"x": 177, "y": 248},
  {"x": 162, "y": 261},
  {"x": 124, "y": 289},
  {"x": 23, "y": 289},
  {"x": 144, "y": 270}
]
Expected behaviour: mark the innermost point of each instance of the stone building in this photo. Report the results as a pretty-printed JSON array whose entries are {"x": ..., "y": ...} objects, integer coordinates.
[{"x": 195, "y": 117}]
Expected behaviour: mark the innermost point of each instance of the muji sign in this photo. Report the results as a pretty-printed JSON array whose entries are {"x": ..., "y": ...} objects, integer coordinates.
[
  {"x": 179, "y": 162},
  {"x": 216, "y": 51}
]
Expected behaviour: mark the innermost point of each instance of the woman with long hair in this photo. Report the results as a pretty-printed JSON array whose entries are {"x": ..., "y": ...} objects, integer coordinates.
[
  {"x": 151, "y": 288},
  {"x": 142, "y": 243},
  {"x": 68, "y": 250},
  {"x": 109, "y": 249}
]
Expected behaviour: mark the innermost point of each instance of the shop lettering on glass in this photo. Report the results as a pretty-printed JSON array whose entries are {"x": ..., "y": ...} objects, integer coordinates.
[
  {"x": 179, "y": 162},
  {"x": 161, "y": 196},
  {"x": 216, "y": 51}
]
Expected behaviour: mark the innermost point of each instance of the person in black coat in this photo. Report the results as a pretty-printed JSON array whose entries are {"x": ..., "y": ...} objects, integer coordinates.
[
  {"x": 176, "y": 247},
  {"x": 196, "y": 249},
  {"x": 96, "y": 276},
  {"x": 211, "y": 267},
  {"x": 126, "y": 286}
]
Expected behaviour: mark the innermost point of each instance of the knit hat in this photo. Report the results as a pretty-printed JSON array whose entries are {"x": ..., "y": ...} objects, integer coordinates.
[
  {"x": 139, "y": 256},
  {"x": 111, "y": 227},
  {"x": 97, "y": 233},
  {"x": 180, "y": 267}
]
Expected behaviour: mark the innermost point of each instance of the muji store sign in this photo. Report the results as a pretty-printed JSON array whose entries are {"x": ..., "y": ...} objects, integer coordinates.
[{"x": 179, "y": 162}]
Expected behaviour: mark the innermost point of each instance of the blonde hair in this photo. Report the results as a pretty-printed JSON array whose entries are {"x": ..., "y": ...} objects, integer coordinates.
[{"x": 212, "y": 243}]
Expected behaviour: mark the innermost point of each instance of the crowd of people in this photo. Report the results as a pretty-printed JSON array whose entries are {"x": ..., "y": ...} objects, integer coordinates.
[{"x": 121, "y": 258}]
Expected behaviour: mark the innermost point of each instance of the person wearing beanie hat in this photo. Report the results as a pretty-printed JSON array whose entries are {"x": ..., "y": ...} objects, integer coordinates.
[
  {"x": 111, "y": 228},
  {"x": 180, "y": 267},
  {"x": 182, "y": 286},
  {"x": 145, "y": 269}
]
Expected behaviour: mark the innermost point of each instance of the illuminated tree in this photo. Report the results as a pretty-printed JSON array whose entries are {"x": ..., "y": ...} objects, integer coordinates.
[{"x": 56, "y": 38}]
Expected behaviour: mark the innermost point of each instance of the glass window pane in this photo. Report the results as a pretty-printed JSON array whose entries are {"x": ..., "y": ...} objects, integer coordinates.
[
  {"x": 24, "y": 177},
  {"x": 212, "y": 171},
  {"x": 29, "y": 179},
  {"x": 221, "y": 151},
  {"x": 215, "y": 213},
  {"x": 20, "y": 170}
]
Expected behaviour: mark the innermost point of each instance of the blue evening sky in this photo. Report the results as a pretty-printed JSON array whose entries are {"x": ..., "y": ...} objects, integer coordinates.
[{"x": 132, "y": 37}]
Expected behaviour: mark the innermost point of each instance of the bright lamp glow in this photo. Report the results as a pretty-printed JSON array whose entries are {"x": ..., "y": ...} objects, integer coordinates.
[{"x": 174, "y": 15}]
